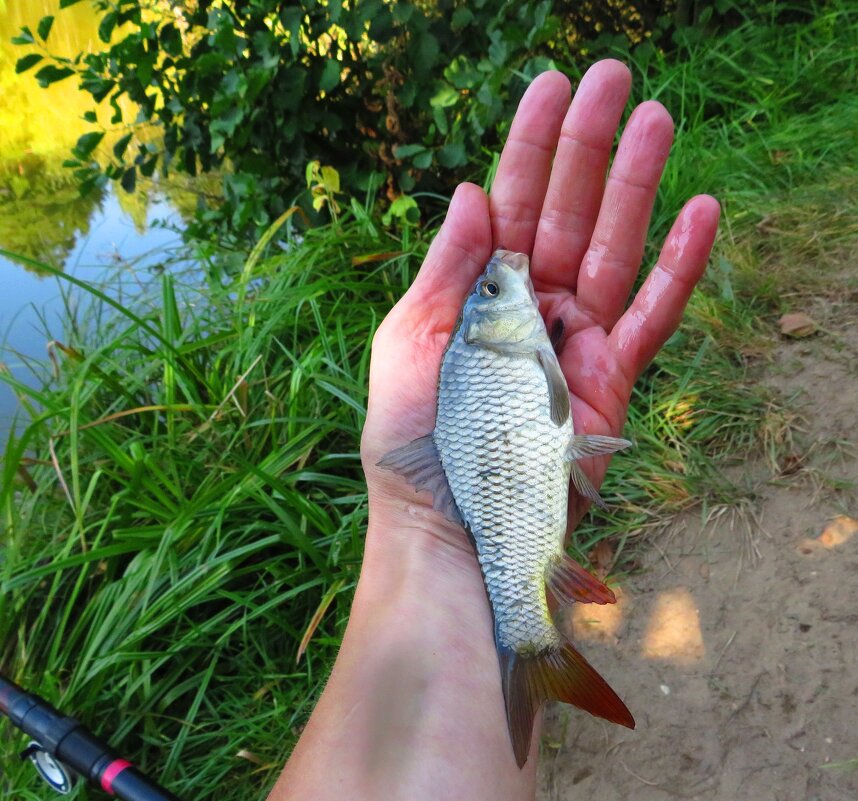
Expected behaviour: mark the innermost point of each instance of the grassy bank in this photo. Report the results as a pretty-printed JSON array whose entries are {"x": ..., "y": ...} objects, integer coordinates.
[{"x": 189, "y": 495}]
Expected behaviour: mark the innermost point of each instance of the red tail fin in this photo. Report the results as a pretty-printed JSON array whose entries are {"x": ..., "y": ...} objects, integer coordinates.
[{"x": 562, "y": 675}]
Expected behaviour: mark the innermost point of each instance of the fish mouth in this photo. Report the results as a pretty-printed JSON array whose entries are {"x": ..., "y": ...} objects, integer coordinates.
[{"x": 517, "y": 261}]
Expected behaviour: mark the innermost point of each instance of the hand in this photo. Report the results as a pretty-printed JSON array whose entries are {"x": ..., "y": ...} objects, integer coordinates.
[
  {"x": 585, "y": 238},
  {"x": 413, "y": 708}
]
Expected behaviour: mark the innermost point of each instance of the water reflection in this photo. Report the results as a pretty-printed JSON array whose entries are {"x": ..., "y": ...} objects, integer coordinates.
[
  {"x": 103, "y": 237},
  {"x": 42, "y": 214}
]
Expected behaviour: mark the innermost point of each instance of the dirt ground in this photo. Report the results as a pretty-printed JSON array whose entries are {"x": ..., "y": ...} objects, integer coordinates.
[{"x": 736, "y": 647}]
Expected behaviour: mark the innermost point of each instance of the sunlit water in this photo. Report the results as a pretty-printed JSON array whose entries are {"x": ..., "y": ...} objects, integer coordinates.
[
  {"x": 108, "y": 237},
  {"x": 113, "y": 255}
]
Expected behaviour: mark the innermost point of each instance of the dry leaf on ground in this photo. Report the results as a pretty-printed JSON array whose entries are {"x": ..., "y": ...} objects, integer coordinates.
[
  {"x": 602, "y": 558},
  {"x": 838, "y": 531},
  {"x": 797, "y": 324}
]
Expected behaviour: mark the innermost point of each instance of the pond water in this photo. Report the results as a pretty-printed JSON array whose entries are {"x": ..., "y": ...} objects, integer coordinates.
[{"x": 108, "y": 236}]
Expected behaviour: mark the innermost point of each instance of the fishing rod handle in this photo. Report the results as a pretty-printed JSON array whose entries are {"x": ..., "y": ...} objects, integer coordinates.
[{"x": 66, "y": 739}]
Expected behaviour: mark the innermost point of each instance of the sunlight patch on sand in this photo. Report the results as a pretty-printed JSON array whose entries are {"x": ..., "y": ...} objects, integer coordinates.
[{"x": 673, "y": 632}]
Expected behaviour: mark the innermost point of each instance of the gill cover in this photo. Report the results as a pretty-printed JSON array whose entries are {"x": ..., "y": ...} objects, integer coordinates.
[{"x": 507, "y": 318}]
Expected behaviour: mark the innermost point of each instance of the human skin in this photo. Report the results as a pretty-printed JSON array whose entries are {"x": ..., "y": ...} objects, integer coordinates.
[{"x": 413, "y": 708}]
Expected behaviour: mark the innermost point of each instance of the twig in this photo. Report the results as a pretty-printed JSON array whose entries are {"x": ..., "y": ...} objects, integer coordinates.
[
  {"x": 723, "y": 651},
  {"x": 628, "y": 770}
]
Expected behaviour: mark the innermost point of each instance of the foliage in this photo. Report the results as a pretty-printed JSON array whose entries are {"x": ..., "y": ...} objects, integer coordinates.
[
  {"x": 412, "y": 90},
  {"x": 41, "y": 212}
]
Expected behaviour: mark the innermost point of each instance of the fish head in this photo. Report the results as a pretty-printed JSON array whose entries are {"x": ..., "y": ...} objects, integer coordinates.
[{"x": 502, "y": 310}]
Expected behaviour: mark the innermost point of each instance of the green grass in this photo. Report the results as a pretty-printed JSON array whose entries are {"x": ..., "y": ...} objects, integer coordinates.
[{"x": 189, "y": 491}]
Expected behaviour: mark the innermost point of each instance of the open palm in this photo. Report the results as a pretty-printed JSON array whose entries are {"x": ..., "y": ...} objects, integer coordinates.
[
  {"x": 585, "y": 237},
  {"x": 414, "y": 708}
]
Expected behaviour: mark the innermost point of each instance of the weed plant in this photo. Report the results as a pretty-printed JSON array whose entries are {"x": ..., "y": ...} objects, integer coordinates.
[{"x": 186, "y": 502}]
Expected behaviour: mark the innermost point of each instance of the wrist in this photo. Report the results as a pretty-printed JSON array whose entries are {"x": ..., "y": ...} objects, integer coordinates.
[{"x": 412, "y": 549}]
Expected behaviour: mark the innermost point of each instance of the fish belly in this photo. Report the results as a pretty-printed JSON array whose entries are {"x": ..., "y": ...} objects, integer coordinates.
[{"x": 504, "y": 461}]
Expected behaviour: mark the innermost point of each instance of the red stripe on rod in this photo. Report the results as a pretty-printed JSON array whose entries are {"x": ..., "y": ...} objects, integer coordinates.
[
  {"x": 5, "y": 698},
  {"x": 111, "y": 772}
]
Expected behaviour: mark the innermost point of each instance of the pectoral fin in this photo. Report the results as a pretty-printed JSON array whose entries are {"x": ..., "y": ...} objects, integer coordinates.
[
  {"x": 419, "y": 464},
  {"x": 584, "y": 445},
  {"x": 558, "y": 391}
]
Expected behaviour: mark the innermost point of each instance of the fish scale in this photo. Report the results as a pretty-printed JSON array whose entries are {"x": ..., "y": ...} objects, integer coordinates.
[{"x": 510, "y": 489}]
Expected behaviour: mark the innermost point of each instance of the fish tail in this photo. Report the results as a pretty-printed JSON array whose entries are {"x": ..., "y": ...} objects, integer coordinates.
[{"x": 559, "y": 674}]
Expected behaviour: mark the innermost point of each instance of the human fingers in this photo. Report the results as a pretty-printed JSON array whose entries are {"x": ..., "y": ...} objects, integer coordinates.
[
  {"x": 458, "y": 253},
  {"x": 612, "y": 260},
  {"x": 519, "y": 186},
  {"x": 577, "y": 180},
  {"x": 657, "y": 308}
]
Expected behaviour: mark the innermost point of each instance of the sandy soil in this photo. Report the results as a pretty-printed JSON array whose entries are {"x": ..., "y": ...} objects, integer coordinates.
[{"x": 736, "y": 647}]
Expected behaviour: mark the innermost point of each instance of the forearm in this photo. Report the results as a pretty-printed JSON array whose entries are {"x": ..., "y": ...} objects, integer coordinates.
[{"x": 413, "y": 709}]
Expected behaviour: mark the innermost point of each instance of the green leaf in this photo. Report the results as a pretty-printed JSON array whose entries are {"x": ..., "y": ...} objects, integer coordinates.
[
  {"x": 330, "y": 75},
  {"x": 425, "y": 54},
  {"x": 292, "y": 18},
  {"x": 105, "y": 29},
  {"x": 121, "y": 146},
  {"x": 89, "y": 116},
  {"x": 452, "y": 155},
  {"x": 51, "y": 74},
  {"x": 402, "y": 12},
  {"x": 171, "y": 40},
  {"x": 404, "y": 151},
  {"x": 440, "y": 119},
  {"x": 404, "y": 209},
  {"x": 423, "y": 160},
  {"x": 67, "y": 3},
  {"x": 445, "y": 97},
  {"x": 498, "y": 52},
  {"x": 224, "y": 126},
  {"x": 462, "y": 73},
  {"x": 461, "y": 18},
  {"x": 148, "y": 166},
  {"x": 87, "y": 143},
  {"x": 129, "y": 179},
  {"x": 44, "y": 27},
  {"x": 25, "y": 62},
  {"x": 24, "y": 38},
  {"x": 145, "y": 68},
  {"x": 98, "y": 87}
]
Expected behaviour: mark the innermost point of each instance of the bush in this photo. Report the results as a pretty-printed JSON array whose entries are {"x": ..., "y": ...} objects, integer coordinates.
[{"x": 411, "y": 90}]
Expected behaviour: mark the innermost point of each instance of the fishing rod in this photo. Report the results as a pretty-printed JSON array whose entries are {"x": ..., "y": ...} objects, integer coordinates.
[{"x": 60, "y": 742}]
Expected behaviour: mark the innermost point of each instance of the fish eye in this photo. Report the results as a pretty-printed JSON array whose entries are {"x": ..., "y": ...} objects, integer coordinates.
[{"x": 489, "y": 289}]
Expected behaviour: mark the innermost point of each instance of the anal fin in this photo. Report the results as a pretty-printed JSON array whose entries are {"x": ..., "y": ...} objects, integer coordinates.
[
  {"x": 570, "y": 583},
  {"x": 419, "y": 464}
]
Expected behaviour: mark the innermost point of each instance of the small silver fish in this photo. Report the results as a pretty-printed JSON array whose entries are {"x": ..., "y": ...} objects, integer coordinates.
[{"x": 499, "y": 463}]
